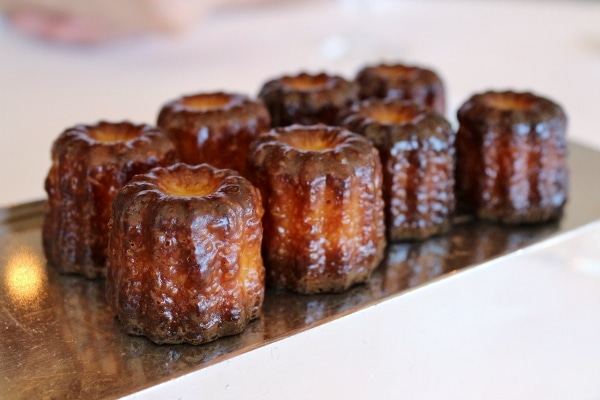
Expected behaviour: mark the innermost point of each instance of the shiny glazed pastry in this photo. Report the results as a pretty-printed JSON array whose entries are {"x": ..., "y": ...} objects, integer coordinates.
[
  {"x": 324, "y": 222},
  {"x": 511, "y": 153},
  {"x": 416, "y": 149},
  {"x": 184, "y": 261},
  {"x": 405, "y": 82},
  {"x": 90, "y": 163},
  {"x": 307, "y": 99},
  {"x": 214, "y": 128}
]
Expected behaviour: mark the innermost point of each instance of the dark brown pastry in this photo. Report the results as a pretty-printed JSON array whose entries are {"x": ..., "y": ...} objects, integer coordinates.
[
  {"x": 511, "y": 154},
  {"x": 324, "y": 222},
  {"x": 89, "y": 164},
  {"x": 405, "y": 82},
  {"x": 417, "y": 154},
  {"x": 307, "y": 99},
  {"x": 214, "y": 128},
  {"x": 184, "y": 261}
]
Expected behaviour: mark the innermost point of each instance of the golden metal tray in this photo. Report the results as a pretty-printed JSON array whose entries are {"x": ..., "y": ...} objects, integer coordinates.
[{"x": 58, "y": 338}]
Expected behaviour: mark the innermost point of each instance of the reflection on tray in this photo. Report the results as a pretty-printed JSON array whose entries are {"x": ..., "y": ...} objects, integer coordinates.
[{"x": 60, "y": 328}]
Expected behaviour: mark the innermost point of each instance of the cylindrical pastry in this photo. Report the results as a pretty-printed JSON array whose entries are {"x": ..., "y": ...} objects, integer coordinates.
[
  {"x": 417, "y": 154},
  {"x": 184, "y": 261},
  {"x": 324, "y": 222},
  {"x": 89, "y": 164},
  {"x": 511, "y": 152},
  {"x": 214, "y": 128},
  {"x": 405, "y": 82},
  {"x": 307, "y": 99}
]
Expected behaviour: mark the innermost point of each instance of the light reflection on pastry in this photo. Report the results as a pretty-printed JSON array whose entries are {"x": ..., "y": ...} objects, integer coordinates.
[
  {"x": 511, "y": 152},
  {"x": 184, "y": 261},
  {"x": 324, "y": 221},
  {"x": 215, "y": 128},
  {"x": 90, "y": 163},
  {"x": 416, "y": 146}
]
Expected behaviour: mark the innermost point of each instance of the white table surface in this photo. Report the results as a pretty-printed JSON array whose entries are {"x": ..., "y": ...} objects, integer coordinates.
[{"x": 523, "y": 327}]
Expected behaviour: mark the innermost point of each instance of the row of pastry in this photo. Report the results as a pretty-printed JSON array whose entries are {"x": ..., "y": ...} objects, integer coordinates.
[{"x": 299, "y": 188}]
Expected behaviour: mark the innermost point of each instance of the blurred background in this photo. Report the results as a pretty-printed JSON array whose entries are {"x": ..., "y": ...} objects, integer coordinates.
[{"x": 50, "y": 82}]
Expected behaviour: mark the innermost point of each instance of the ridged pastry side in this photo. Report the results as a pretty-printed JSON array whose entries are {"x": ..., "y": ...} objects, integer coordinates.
[
  {"x": 184, "y": 262},
  {"x": 215, "y": 128},
  {"x": 324, "y": 222},
  {"x": 90, "y": 163},
  {"x": 417, "y": 152},
  {"x": 512, "y": 157}
]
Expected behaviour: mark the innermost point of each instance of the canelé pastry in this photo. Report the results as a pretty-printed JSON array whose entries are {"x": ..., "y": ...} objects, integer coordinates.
[
  {"x": 307, "y": 99},
  {"x": 324, "y": 222},
  {"x": 405, "y": 82},
  {"x": 214, "y": 128},
  {"x": 417, "y": 154},
  {"x": 511, "y": 155},
  {"x": 90, "y": 163},
  {"x": 184, "y": 261}
]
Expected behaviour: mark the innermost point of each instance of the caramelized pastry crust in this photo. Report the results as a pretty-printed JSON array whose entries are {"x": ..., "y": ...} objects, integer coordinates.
[
  {"x": 184, "y": 261},
  {"x": 398, "y": 81},
  {"x": 512, "y": 157},
  {"x": 417, "y": 154},
  {"x": 307, "y": 99},
  {"x": 214, "y": 128},
  {"x": 89, "y": 164},
  {"x": 324, "y": 222}
]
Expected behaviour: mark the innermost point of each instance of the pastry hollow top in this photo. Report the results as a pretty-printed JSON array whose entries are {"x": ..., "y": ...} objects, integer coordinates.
[
  {"x": 519, "y": 111},
  {"x": 399, "y": 123},
  {"x": 112, "y": 141},
  {"x": 214, "y": 108},
  {"x": 312, "y": 150}
]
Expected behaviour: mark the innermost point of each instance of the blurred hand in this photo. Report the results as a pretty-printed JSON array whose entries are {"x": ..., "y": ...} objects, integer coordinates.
[{"x": 94, "y": 21}]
